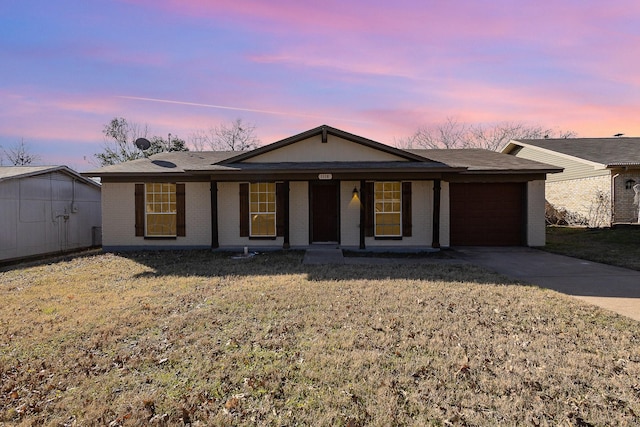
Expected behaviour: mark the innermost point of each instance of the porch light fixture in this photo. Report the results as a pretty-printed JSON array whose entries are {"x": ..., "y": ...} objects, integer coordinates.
[
  {"x": 354, "y": 193},
  {"x": 629, "y": 184}
]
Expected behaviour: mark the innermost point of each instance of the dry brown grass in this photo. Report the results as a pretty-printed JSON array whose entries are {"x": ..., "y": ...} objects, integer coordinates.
[{"x": 197, "y": 338}]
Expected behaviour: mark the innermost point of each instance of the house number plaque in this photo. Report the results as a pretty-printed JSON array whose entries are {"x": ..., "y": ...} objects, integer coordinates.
[{"x": 325, "y": 176}]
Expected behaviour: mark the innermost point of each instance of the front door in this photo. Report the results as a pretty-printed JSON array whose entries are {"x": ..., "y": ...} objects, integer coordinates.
[{"x": 324, "y": 208}]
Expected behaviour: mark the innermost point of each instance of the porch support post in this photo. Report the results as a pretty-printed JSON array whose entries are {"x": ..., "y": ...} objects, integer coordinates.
[
  {"x": 436, "y": 214},
  {"x": 214, "y": 215},
  {"x": 286, "y": 244},
  {"x": 363, "y": 195}
]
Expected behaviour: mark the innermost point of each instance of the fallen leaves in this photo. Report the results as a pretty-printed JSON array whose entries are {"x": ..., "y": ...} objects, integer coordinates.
[{"x": 273, "y": 342}]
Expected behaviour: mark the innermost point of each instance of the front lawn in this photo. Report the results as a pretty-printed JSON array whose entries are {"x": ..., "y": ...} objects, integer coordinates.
[
  {"x": 201, "y": 339},
  {"x": 614, "y": 246}
]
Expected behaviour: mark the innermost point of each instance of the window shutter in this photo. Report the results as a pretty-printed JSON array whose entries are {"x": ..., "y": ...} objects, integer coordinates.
[
  {"x": 280, "y": 208},
  {"x": 139, "y": 209},
  {"x": 406, "y": 209},
  {"x": 368, "y": 208},
  {"x": 181, "y": 229},
  {"x": 244, "y": 209}
]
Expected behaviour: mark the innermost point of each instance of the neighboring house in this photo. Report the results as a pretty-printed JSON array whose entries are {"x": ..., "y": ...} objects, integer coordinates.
[
  {"x": 323, "y": 186},
  {"x": 597, "y": 184},
  {"x": 46, "y": 210}
]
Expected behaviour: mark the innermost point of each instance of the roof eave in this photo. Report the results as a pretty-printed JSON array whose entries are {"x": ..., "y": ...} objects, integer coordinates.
[
  {"x": 595, "y": 165},
  {"x": 509, "y": 171},
  {"x": 326, "y": 170},
  {"x": 64, "y": 169},
  {"x": 622, "y": 165},
  {"x": 130, "y": 174}
]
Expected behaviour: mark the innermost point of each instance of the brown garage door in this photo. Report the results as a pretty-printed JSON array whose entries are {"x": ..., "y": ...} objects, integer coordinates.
[{"x": 487, "y": 214}]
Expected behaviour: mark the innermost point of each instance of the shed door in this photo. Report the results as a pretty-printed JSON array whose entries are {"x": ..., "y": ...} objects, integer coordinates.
[
  {"x": 487, "y": 214},
  {"x": 324, "y": 211}
]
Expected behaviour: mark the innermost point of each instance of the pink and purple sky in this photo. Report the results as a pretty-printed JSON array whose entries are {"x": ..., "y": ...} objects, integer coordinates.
[{"x": 379, "y": 69}]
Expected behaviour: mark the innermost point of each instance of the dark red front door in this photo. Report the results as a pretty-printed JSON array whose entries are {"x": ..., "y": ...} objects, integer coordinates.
[{"x": 324, "y": 208}]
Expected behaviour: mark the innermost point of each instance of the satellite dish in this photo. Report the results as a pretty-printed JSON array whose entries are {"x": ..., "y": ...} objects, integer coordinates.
[{"x": 142, "y": 143}]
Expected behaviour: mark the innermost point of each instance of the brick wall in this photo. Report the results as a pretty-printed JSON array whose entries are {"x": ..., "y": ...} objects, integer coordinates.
[{"x": 590, "y": 198}]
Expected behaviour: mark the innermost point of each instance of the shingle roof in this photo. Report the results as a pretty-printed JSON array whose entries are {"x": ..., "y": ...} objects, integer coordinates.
[
  {"x": 199, "y": 162},
  {"x": 170, "y": 162},
  {"x": 475, "y": 159},
  {"x": 606, "y": 151},
  {"x": 7, "y": 172}
]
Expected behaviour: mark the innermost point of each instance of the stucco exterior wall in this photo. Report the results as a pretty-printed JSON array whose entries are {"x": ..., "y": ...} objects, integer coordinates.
[
  {"x": 589, "y": 198},
  {"x": 118, "y": 224},
  {"x": 625, "y": 209},
  {"x": 334, "y": 150},
  {"x": 47, "y": 213},
  {"x": 535, "y": 213}
]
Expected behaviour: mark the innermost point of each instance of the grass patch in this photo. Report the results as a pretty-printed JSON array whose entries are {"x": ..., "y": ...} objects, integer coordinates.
[
  {"x": 195, "y": 337},
  {"x": 613, "y": 246}
]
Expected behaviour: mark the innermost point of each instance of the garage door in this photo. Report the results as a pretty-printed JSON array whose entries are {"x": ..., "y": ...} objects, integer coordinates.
[{"x": 487, "y": 214}]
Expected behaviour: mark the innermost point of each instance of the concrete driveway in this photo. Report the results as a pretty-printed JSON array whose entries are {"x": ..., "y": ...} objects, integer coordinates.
[{"x": 613, "y": 288}]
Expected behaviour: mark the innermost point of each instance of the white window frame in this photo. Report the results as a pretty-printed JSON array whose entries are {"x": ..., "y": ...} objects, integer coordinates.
[
  {"x": 169, "y": 207},
  {"x": 267, "y": 205},
  {"x": 384, "y": 202}
]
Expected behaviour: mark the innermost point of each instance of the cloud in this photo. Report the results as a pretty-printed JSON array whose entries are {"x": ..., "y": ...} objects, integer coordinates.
[{"x": 224, "y": 107}]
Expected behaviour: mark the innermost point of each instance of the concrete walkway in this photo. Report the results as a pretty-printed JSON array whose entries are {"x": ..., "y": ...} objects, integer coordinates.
[
  {"x": 323, "y": 255},
  {"x": 613, "y": 288}
]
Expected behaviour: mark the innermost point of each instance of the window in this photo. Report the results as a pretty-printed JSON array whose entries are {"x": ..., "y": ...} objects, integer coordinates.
[
  {"x": 160, "y": 209},
  {"x": 262, "y": 209},
  {"x": 388, "y": 209}
]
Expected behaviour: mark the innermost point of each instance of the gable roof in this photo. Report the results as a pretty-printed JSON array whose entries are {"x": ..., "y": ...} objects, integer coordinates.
[
  {"x": 243, "y": 165},
  {"x": 17, "y": 172},
  {"x": 602, "y": 152},
  {"x": 324, "y": 131}
]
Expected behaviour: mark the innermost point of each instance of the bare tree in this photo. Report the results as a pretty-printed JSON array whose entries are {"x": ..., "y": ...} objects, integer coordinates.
[
  {"x": 120, "y": 136},
  {"x": 455, "y": 134},
  {"x": 20, "y": 155},
  {"x": 497, "y": 136},
  {"x": 450, "y": 134},
  {"x": 229, "y": 136}
]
